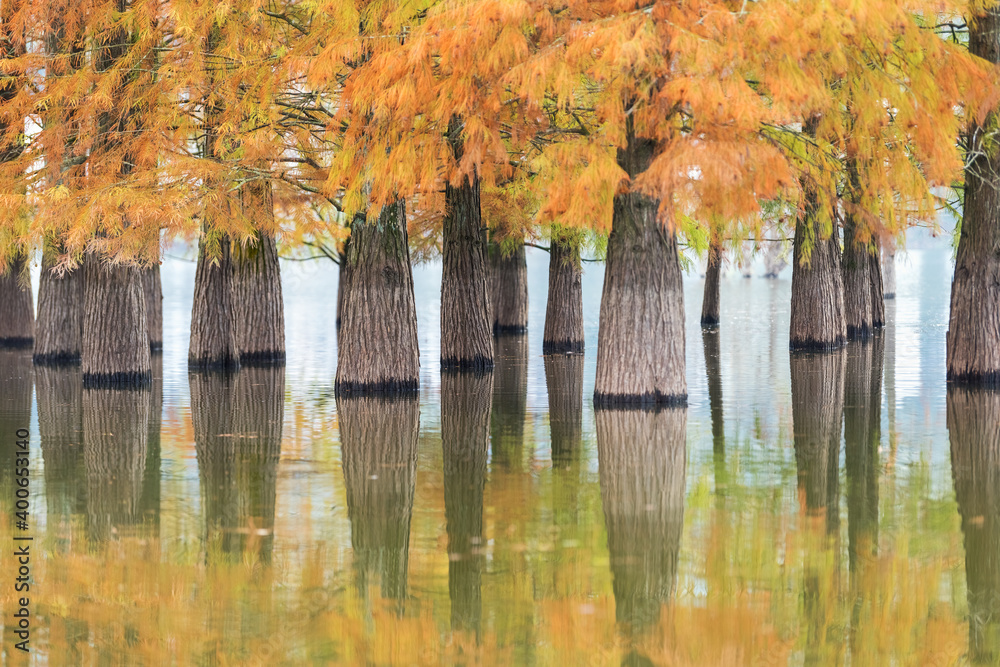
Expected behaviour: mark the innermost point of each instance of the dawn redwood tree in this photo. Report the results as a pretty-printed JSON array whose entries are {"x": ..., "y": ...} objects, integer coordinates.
[
  {"x": 713, "y": 273},
  {"x": 509, "y": 288},
  {"x": 152, "y": 293},
  {"x": 60, "y": 313},
  {"x": 564, "y": 307},
  {"x": 17, "y": 317}
]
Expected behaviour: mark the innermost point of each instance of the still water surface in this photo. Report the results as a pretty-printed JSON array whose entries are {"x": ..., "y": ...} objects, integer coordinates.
[{"x": 806, "y": 509}]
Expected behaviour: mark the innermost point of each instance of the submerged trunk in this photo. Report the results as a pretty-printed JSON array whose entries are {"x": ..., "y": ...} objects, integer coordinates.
[
  {"x": 889, "y": 270},
  {"x": 510, "y": 401},
  {"x": 378, "y": 439},
  {"x": 640, "y": 343},
  {"x": 115, "y": 342},
  {"x": 258, "y": 317},
  {"x": 509, "y": 286},
  {"x": 710, "y": 303},
  {"x": 59, "y": 330},
  {"x": 17, "y": 317},
  {"x": 974, "y": 325},
  {"x": 564, "y": 383},
  {"x": 153, "y": 294},
  {"x": 642, "y": 465},
  {"x": 817, "y": 319},
  {"x": 864, "y": 310},
  {"x": 465, "y": 432},
  {"x": 377, "y": 345},
  {"x": 564, "y": 307},
  {"x": 213, "y": 343},
  {"x": 466, "y": 309},
  {"x": 975, "y": 463}
]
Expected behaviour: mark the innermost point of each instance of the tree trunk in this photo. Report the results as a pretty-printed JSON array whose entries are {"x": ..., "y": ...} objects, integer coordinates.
[
  {"x": 465, "y": 432},
  {"x": 640, "y": 343},
  {"x": 258, "y": 317},
  {"x": 466, "y": 308},
  {"x": 974, "y": 326},
  {"x": 975, "y": 463},
  {"x": 642, "y": 467},
  {"x": 564, "y": 308},
  {"x": 378, "y": 350},
  {"x": 378, "y": 443},
  {"x": 864, "y": 309},
  {"x": 341, "y": 279},
  {"x": 510, "y": 402},
  {"x": 710, "y": 303},
  {"x": 564, "y": 383},
  {"x": 817, "y": 414},
  {"x": 817, "y": 319},
  {"x": 152, "y": 291},
  {"x": 17, "y": 317},
  {"x": 862, "y": 432},
  {"x": 115, "y": 342},
  {"x": 889, "y": 270},
  {"x": 59, "y": 329},
  {"x": 509, "y": 287},
  {"x": 59, "y": 393},
  {"x": 213, "y": 343}
]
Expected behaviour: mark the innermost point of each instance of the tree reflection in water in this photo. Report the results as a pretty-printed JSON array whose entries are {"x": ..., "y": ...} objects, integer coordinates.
[
  {"x": 465, "y": 430},
  {"x": 378, "y": 439},
  {"x": 59, "y": 392},
  {"x": 564, "y": 384},
  {"x": 510, "y": 400},
  {"x": 237, "y": 422},
  {"x": 642, "y": 466},
  {"x": 974, "y": 430}
]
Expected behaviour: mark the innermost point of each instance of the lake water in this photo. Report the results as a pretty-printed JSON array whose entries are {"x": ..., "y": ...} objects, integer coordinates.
[{"x": 802, "y": 510}]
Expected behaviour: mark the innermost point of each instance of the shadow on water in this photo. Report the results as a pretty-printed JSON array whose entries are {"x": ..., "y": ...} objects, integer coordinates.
[
  {"x": 465, "y": 431},
  {"x": 237, "y": 429},
  {"x": 510, "y": 400},
  {"x": 642, "y": 458},
  {"x": 974, "y": 431},
  {"x": 379, "y": 452}
]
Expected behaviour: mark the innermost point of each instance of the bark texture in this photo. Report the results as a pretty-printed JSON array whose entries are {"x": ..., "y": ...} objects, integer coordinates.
[
  {"x": 237, "y": 422},
  {"x": 465, "y": 432},
  {"x": 974, "y": 325},
  {"x": 975, "y": 463},
  {"x": 59, "y": 329},
  {"x": 564, "y": 383},
  {"x": 378, "y": 442},
  {"x": 710, "y": 303},
  {"x": 817, "y": 414},
  {"x": 152, "y": 291},
  {"x": 864, "y": 309},
  {"x": 377, "y": 346},
  {"x": 642, "y": 465},
  {"x": 862, "y": 432},
  {"x": 258, "y": 316},
  {"x": 564, "y": 307},
  {"x": 17, "y": 316},
  {"x": 213, "y": 343},
  {"x": 59, "y": 393},
  {"x": 640, "y": 344},
  {"x": 115, "y": 341},
  {"x": 466, "y": 307},
  {"x": 889, "y": 270},
  {"x": 509, "y": 287}
]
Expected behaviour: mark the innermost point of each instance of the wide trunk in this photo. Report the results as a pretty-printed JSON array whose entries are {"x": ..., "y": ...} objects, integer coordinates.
[
  {"x": 59, "y": 329},
  {"x": 817, "y": 319},
  {"x": 564, "y": 307},
  {"x": 466, "y": 307},
  {"x": 509, "y": 287},
  {"x": 889, "y": 270},
  {"x": 642, "y": 466},
  {"x": 465, "y": 432},
  {"x": 377, "y": 346},
  {"x": 710, "y": 303},
  {"x": 564, "y": 384},
  {"x": 152, "y": 291},
  {"x": 115, "y": 342},
  {"x": 864, "y": 310},
  {"x": 258, "y": 317},
  {"x": 17, "y": 316},
  {"x": 974, "y": 325},
  {"x": 378, "y": 444},
  {"x": 640, "y": 343},
  {"x": 213, "y": 343},
  {"x": 975, "y": 463}
]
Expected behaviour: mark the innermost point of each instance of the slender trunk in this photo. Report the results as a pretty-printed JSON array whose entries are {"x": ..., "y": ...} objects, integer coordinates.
[
  {"x": 975, "y": 463},
  {"x": 258, "y": 317},
  {"x": 59, "y": 329},
  {"x": 213, "y": 343},
  {"x": 152, "y": 291},
  {"x": 710, "y": 303},
  {"x": 17, "y": 317},
  {"x": 378, "y": 443},
  {"x": 974, "y": 326},
  {"x": 564, "y": 383},
  {"x": 59, "y": 393},
  {"x": 115, "y": 343},
  {"x": 642, "y": 465},
  {"x": 510, "y": 401},
  {"x": 817, "y": 319},
  {"x": 564, "y": 307},
  {"x": 377, "y": 346},
  {"x": 466, "y": 309},
  {"x": 509, "y": 287},
  {"x": 889, "y": 270},
  {"x": 640, "y": 344},
  {"x": 465, "y": 432}
]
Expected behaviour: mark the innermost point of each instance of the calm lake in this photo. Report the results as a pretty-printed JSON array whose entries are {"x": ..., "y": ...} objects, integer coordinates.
[{"x": 802, "y": 510}]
